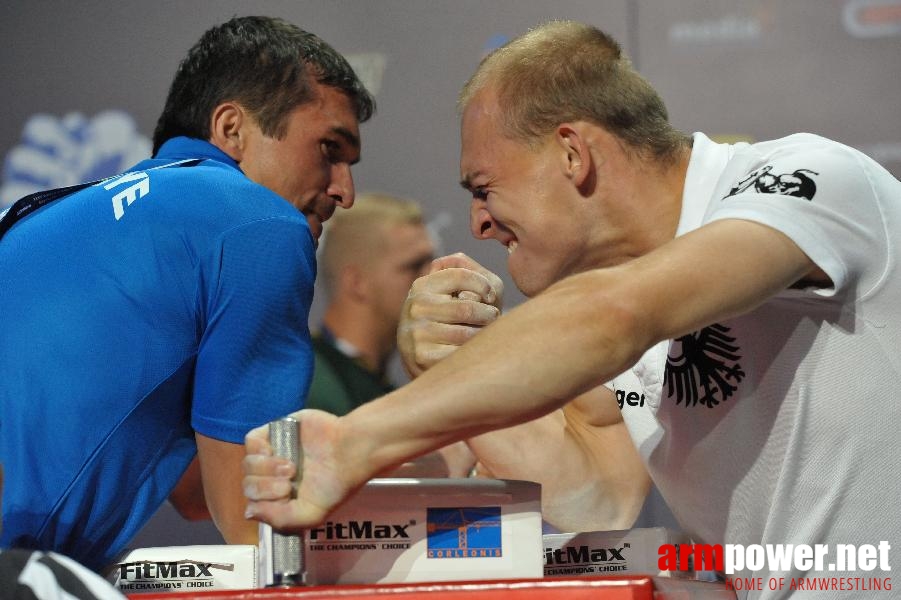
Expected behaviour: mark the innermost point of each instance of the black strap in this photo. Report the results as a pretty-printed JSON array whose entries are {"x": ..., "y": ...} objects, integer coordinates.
[{"x": 25, "y": 206}]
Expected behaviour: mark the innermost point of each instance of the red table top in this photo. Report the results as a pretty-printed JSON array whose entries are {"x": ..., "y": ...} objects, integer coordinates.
[{"x": 582, "y": 588}]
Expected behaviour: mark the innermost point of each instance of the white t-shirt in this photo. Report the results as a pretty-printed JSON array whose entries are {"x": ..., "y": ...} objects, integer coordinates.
[{"x": 782, "y": 426}]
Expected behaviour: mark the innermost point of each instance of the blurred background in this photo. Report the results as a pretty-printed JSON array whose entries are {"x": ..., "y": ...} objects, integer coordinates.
[{"x": 83, "y": 84}]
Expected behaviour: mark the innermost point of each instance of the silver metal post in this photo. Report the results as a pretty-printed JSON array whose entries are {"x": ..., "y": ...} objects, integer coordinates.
[{"x": 287, "y": 550}]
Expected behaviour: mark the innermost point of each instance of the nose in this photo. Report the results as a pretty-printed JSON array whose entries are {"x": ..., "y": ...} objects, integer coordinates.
[
  {"x": 481, "y": 224},
  {"x": 341, "y": 188}
]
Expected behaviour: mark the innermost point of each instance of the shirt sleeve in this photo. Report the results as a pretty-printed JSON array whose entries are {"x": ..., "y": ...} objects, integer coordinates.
[
  {"x": 821, "y": 196},
  {"x": 255, "y": 357}
]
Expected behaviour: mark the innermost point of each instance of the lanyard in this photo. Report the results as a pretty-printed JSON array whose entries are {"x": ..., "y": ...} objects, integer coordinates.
[{"x": 30, "y": 203}]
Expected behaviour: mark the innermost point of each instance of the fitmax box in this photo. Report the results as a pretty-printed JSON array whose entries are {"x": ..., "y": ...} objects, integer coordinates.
[
  {"x": 618, "y": 552},
  {"x": 415, "y": 530},
  {"x": 185, "y": 569}
]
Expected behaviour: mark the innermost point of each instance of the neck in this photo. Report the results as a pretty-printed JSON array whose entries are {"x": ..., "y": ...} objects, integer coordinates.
[
  {"x": 653, "y": 206},
  {"x": 667, "y": 186}
]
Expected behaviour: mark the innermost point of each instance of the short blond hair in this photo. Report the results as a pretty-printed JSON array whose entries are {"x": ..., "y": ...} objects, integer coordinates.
[
  {"x": 358, "y": 236},
  {"x": 568, "y": 71}
]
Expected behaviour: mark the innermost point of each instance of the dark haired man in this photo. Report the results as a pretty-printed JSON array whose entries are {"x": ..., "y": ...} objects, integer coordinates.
[
  {"x": 760, "y": 320},
  {"x": 163, "y": 312}
]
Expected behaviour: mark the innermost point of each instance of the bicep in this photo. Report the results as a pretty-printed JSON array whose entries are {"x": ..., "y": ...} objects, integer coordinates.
[
  {"x": 719, "y": 271},
  {"x": 596, "y": 407}
]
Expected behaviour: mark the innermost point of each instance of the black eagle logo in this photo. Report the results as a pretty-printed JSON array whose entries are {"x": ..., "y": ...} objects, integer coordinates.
[{"x": 702, "y": 367}]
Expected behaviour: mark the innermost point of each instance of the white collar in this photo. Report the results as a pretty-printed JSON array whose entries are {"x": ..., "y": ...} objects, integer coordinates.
[
  {"x": 705, "y": 167},
  {"x": 346, "y": 348}
]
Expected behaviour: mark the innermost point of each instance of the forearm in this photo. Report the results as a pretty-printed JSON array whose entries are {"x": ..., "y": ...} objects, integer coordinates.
[
  {"x": 488, "y": 384},
  {"x": 580, "y": 332},
  {"x": 592, "y": 477},
  {"x": 602, "y": 487},
  {"x": 239, "y": 530},
  {"x": 455, "y": 460},
  {"x": 220, "y": 467}
]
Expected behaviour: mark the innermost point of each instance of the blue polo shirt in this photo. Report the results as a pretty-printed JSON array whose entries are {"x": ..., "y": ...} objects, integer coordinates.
[{"x": 134, "y": 313}]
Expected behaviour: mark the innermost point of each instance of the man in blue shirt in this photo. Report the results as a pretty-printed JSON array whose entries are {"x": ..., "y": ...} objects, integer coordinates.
[{"x": 163, "y": 313}]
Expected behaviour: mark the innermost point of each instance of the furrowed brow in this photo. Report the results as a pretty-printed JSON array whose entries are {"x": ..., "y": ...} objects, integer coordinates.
[
  {"x": 350, "y": 138},
  {"x": 466, "y": 182}
]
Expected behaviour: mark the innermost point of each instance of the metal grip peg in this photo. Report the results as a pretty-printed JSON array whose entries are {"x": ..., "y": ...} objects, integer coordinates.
[{"x": 287, "y": 550}]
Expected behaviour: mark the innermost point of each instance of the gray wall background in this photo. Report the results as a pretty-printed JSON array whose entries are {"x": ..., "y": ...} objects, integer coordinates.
[{"x": 735, "y": 69}]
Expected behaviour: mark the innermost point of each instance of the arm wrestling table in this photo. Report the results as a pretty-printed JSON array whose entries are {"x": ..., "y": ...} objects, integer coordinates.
[
  {"x": 582, "y": 588},
  {"x": 490, "y": 529}
]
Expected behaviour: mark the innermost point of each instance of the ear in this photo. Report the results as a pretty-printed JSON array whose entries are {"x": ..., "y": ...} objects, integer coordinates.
[
  {"x": 227, "y": 133},
  {"x": 578, "y": 164},
  {"x": 354, "y": 283}
]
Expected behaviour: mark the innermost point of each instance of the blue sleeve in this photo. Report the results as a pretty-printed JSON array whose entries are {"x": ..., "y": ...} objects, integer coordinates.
[{"x": 255, "y": 359}]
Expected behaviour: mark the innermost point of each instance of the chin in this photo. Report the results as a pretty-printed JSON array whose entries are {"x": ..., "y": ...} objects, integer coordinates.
[
  {"x": 529, "y": 277},
  {"x": 528, "y": 286}
]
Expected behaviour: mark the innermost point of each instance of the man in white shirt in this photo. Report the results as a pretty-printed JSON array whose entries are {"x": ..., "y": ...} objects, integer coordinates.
[{"x": 750, "y": 289}]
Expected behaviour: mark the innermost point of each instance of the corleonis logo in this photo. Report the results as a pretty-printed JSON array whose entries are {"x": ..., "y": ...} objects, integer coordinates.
[{"x": 464, "y": 532}]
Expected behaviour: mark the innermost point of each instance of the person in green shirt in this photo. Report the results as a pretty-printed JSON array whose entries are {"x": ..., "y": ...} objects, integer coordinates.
[{"x": 369, "y": 259}]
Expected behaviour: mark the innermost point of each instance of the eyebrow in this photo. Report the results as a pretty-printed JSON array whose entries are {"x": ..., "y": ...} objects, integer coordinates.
[
  {"x": 466, "y": 182},
  {"x": 352, "y": 140}
]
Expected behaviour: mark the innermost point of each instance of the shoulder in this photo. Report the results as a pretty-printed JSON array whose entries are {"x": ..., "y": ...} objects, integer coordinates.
[
  {"x": 216, "y": 178},
  {"x": 808, "y": 151},
  {"x": 801, "y": 165}
]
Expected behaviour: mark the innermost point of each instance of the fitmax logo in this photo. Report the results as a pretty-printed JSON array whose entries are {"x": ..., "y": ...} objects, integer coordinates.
[
  {"x": 582, "y": 555},
  {"x": 360, "y": 530},
  {"x": 164, "y": 570}
]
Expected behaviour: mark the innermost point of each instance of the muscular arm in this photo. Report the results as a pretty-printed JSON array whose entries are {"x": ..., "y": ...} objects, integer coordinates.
[
  {"x": 220, "y": 468},
  {"x": 187, "y": 498},
  {"x": 592, "y": 477},
  {"x": 604, "y": 482},
  {"x": 583, "y": 330}
]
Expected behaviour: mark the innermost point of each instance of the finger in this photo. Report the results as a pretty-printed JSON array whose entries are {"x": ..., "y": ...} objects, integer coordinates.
[
  {"x": 429, "y": 345},
  {"x": 456, "y": 260},
  {"x": 257, "y": 445},
  {"x": 268, "y": 466},
  {"x": 441, "y": 309},
  {"x": 460, "y": 260},
  {"x": 431, "y": 355},
  {"x": 452, "y": 281},
  {"x": 443, "y": 334},
  {"x": 266, "y": 488},
  {"x": 258, "y": 433},
  {"x": 285, "y": 517}
]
